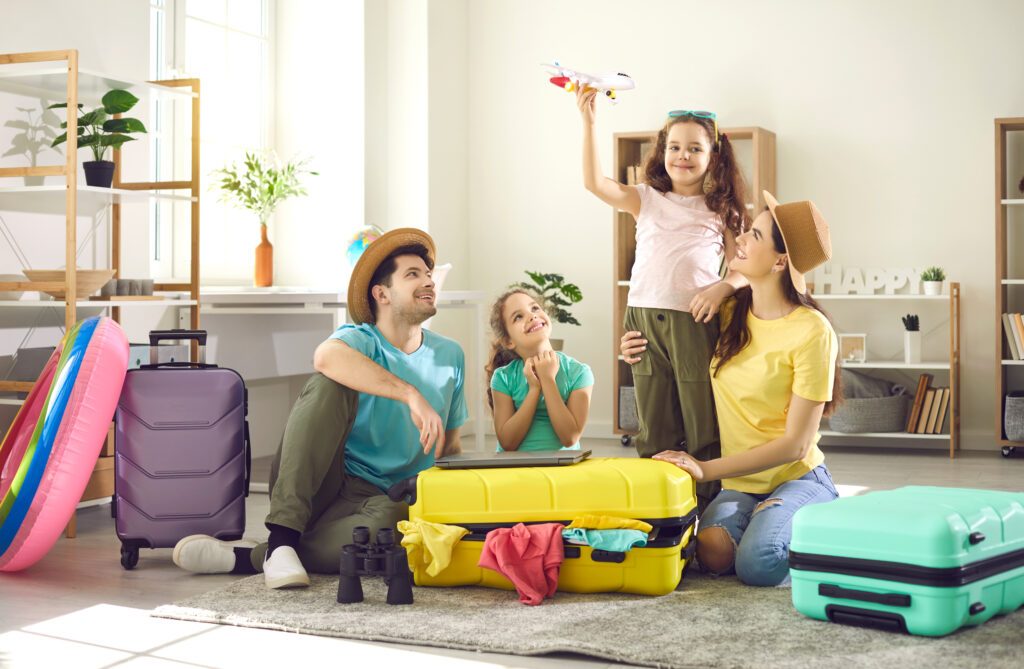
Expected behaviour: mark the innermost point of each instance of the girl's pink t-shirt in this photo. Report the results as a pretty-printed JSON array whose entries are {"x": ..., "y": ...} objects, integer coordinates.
[{"x": 679, "y": 248}]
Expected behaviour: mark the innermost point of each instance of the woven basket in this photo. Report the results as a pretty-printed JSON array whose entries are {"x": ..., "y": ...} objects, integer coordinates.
[
  {"x": 1013, "y": 416},
  {"x": 871, "y": 414}
]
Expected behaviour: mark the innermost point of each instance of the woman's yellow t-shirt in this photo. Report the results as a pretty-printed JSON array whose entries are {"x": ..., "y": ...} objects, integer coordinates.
[{"x": 793, "y": 355}]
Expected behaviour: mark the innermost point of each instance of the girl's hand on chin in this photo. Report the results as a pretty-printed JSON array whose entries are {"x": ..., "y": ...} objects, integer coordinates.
[
  {"x": 530, "y": 372},
  {"x": 684, "y": 461},
  {"x": 546, "y": 365}
]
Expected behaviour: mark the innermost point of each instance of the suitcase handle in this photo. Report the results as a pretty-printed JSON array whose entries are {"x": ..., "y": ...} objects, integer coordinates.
[
  {"x": 192, "y": 365},
  {"x": 884, "y": 598},
  {"x": 880, "y": 620},
  {"x": 248, "y": 458},
  {"x": 157, "y": 336}
]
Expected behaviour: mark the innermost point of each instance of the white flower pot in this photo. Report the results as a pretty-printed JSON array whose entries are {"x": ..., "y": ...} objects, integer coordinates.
[
  {"x": 912, "y": 347},
  {"x": 932, "y": 287}
]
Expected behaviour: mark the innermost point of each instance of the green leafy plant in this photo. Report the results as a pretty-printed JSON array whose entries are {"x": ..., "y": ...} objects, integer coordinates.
[
  {"x": 911, "y": 322},
  {"x": 97, "y": 130},
  {"x": 933, "y": 274},
  {"x": 555, "y": 293},
  {"x": 259, "y": 183}
]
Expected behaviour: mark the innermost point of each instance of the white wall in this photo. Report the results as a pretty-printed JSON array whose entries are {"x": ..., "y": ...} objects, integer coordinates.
[
  {"x": 320, "y": 107},
  {"x": 883, "y": 113}
]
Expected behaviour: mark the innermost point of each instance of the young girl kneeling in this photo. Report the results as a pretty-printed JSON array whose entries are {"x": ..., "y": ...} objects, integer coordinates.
[{"x": 540, "y": 397}]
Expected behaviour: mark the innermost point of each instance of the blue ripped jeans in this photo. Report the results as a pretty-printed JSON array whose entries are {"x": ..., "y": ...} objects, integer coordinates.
[{"x": 762, "y": 535}]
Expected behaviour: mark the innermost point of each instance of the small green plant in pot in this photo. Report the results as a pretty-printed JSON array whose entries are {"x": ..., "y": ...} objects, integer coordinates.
[
  {"x": 99, "y": 131},
  {"x": 912, "y": 339},
  {"x": 556, "y": 296},
  {"x": 260, "y": 183},
  {"x": 932, "y": 278}
]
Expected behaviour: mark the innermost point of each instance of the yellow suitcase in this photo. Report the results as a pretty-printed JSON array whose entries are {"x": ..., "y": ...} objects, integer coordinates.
[{"x": 483, "y": 499}]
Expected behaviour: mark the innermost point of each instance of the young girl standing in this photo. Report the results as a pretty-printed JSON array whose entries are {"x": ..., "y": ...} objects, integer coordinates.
[
  {"x": 540, "y": 397},
  {"x": 688, "y": 214}
]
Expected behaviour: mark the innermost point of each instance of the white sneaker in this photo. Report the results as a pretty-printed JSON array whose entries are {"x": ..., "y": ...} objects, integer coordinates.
[
  {"x": 283, "y": 569},
  {"x": 203, "y": 554}
]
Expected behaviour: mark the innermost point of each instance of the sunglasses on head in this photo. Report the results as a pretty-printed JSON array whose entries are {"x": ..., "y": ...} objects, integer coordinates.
[{"x": 678, "y": 113}]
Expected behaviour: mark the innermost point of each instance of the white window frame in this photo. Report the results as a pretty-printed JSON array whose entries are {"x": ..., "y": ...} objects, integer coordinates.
[{"x": 167, "y": 239}]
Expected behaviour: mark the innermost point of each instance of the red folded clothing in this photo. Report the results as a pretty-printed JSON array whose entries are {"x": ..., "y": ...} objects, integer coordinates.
[{"x": 528, "y": 555}]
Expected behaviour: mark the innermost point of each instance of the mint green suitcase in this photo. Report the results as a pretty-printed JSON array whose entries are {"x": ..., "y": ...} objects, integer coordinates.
[{"x": 922, "y": 560}]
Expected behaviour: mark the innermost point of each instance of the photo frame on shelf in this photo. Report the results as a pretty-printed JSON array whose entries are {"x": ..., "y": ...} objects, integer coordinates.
[{"x": 853, "y": 347}]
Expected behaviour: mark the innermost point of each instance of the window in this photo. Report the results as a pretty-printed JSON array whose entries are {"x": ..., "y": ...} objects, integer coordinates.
[{"x": 226, "y": 45}]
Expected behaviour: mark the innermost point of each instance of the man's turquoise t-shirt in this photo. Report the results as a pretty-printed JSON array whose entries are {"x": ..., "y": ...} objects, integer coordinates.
[
  {"x": 384, "y": 445},
  {"x": 510, "y": 380}
]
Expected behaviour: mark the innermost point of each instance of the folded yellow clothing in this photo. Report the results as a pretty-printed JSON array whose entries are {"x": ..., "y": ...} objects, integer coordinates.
[
  {"x": 609, "y": 523},
  {"x": 430, "y": 545}
]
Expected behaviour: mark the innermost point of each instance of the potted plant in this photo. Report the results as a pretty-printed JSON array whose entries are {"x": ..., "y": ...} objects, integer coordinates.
[
  {"x": 259, "y": 184},
  {"x": 912, "y": 339},
  {"x": 100, "y": 132},
  {"x": 933, "y": 278},
  {"x": 556, "y": 295},
  {"x": 37, "y": 131}
]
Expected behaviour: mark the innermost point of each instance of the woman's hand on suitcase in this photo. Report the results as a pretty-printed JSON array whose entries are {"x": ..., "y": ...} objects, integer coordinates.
[
  {"x": 428, "y": 423},
  {"x": 684, "y": 461},
  {"x": 631, "y": 345}
]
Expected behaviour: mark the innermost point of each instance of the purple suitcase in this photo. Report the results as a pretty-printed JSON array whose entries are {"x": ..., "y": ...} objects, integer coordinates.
[{"x": 181, "y": 452}]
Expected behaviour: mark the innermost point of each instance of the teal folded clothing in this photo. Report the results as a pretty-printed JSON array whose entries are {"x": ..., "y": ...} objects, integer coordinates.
[{"x": 619, "y": 541}]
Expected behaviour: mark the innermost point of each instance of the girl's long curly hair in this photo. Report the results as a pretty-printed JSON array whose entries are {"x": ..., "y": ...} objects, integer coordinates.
[
  {"x": 736, "y": 336},
  {"x": 501, "y": 356},
  {"x": 728, "y": 197}
]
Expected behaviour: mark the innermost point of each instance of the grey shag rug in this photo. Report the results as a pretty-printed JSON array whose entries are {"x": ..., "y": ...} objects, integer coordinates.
[{"x": 707, "y": 623}]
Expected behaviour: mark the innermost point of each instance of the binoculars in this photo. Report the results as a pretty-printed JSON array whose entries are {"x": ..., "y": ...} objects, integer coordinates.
[{"x": 380, "y": 558}]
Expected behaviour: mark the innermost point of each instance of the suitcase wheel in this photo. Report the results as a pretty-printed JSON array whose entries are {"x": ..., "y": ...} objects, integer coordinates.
[
  {"x": 129, "y": 556},
  {"x": 626, "y": 440},
  {"x": 1008, "y": 451}
]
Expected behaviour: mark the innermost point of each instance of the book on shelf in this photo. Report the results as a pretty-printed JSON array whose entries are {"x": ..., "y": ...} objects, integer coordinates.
[
  {"x": 943, "y": 410},
  {"x": 1018, "y": 332},
  {"x": 926, "y": 409},
  {"x": 933, "y": 415},
  {"x": 919, "y": 394},
  {"x": 1011, "y": 340}
]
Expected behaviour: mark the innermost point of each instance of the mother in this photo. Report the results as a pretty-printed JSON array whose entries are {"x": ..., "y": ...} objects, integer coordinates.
[{"x": 774, "y": 375}]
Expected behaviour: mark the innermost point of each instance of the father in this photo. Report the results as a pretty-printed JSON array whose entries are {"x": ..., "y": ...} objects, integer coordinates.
[{"x": 387, "y": 396}]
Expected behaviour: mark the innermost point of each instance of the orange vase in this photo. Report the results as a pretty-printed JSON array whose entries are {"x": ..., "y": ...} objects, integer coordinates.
[{"x": 264, "y": 275}]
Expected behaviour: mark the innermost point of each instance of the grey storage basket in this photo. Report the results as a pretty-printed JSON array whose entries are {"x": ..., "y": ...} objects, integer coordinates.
[
  {"x": 1013, "y": 416},
  {"x": 871, "y": 414}
]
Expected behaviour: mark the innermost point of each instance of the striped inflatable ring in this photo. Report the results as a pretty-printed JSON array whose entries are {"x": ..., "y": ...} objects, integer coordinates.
[{"x": 49, "y": 452}]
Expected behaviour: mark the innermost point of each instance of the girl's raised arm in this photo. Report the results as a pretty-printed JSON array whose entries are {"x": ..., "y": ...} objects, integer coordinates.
[{"x": 610, "y": 191}]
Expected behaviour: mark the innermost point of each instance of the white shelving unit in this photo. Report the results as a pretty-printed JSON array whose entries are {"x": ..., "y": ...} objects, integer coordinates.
[{"x": 950, "y": 365}]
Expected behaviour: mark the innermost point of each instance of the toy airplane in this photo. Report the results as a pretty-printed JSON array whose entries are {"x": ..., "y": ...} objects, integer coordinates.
[{"x": 570, "y": 80}]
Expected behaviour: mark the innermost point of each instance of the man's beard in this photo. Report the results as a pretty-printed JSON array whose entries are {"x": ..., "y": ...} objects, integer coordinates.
[{"x": 415, "y": 313}]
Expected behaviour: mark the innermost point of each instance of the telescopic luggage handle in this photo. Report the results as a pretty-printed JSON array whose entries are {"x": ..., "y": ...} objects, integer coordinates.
[{"x": 157, "y": 336}]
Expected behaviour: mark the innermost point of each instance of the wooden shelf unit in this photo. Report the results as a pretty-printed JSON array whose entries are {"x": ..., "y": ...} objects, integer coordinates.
[
  {"x": 952, "y": 366},
  {"x": 1005, "y": 283},
  {"x": 627, "y": 152},
  {"x": 46, "y": 83}
]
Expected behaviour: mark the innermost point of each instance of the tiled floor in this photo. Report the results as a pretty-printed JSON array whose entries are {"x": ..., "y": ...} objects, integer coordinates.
[{"x": 78, "y": 608}]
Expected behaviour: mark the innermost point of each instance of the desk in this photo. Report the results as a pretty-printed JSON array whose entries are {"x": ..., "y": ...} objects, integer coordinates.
[{"x": 280, "y": 357}]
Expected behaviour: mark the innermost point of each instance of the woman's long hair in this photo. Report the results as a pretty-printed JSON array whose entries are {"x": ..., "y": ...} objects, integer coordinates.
[
  {"x": 500, "y": 355},
  {"x": 728, "y": 196},
  {"x": 736, "y": 336}
]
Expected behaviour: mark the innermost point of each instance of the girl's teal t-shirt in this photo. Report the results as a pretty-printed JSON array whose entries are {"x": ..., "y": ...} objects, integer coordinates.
[{"x": 510, "y": 380}]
